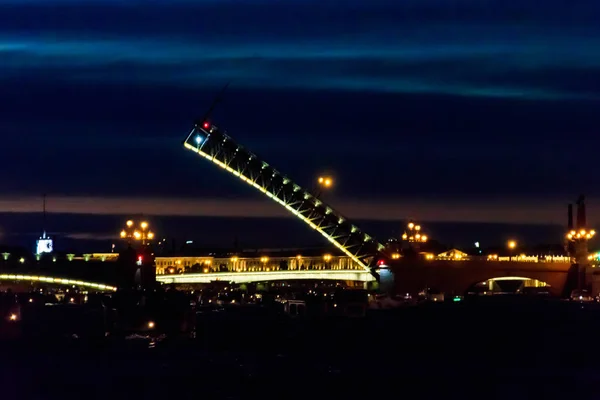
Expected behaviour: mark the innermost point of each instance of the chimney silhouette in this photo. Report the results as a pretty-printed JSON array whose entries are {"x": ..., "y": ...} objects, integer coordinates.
[
  {"x": 581, "y": 218},
  {"x": 570, "y": 218}
]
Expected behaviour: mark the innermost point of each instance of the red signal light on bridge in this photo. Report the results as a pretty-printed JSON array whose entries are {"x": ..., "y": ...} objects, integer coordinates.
[
  {"x": 206, "y": 125},
  {"x": 381, "y": 262}
]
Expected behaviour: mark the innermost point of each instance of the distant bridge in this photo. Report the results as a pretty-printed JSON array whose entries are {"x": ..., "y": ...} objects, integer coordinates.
[
  {"x": 56, "y": 281},
  {"x": 449, "y": 276},
  {"x": 460, "y": 276},
  {"x": 262, "y": 276}
]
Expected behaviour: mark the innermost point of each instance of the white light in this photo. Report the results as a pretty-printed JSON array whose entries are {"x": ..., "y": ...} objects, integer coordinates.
[
  {"x": 44, "y": 246},
  {"x": 198, "y": 139},
  {"x": 477, "y": 244}
]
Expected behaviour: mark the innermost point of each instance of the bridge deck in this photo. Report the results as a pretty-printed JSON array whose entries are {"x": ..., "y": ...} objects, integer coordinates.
[{"x": 246, "y": 277}]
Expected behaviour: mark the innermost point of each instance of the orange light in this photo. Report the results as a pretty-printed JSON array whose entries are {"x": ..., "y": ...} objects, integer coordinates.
[{"x": 325, "y": 181}]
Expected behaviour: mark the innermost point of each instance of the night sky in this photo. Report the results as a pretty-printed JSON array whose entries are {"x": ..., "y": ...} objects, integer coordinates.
[{"x": 480, "y": 111}]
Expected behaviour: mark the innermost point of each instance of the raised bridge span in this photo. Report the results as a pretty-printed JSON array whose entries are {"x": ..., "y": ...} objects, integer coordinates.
[{"x": 215, "y": 145}]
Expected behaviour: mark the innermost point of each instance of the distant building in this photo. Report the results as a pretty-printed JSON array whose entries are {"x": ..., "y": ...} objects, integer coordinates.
[{"x": 253, "y": 262}]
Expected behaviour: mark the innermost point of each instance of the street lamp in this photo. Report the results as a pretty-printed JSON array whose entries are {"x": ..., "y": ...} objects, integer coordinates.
[
  {"x": 413, "y": 234},
  {"x": 325, "y": 182},
  {"x": 132, "y": 233},
  {"x": 511, "y": 246}
]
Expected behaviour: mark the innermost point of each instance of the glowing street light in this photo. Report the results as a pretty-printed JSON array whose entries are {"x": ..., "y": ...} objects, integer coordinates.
[
  {"x": 511, "y": 246},
  {"x": 413, "y": 233},
  {"x": 325, "y": 181},
  {"x": 142, "y": 233},
  {"x": 581, "y": 235}
]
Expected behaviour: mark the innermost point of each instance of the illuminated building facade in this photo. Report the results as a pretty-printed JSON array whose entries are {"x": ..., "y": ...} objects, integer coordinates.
[{"x": 206, "y": 264}]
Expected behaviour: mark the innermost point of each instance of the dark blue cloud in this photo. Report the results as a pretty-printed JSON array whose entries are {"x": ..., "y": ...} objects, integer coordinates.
[
  {"x": 414, "y": 98},
  {"x": 460, "y": 48}
]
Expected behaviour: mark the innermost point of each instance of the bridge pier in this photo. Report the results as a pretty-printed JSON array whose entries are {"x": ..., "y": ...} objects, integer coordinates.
[{"x": 387, "y": 283}]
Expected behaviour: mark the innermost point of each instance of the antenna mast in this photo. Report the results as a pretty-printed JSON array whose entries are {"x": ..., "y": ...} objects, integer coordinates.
[
  {"x": 217, "y": 99},
  {"x": 44, "y": 217}
]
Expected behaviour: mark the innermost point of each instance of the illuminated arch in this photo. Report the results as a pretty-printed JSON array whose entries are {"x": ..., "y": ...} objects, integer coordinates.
[
  {"x": 246, "y": 277},
  {"x": 493, "y": 284},
  {"x": 59, "y": 281},
  {"x": 215, "y": 145}
]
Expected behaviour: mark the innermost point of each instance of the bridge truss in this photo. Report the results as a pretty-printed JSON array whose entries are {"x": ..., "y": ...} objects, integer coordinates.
[{"x": 215, "y": 145}]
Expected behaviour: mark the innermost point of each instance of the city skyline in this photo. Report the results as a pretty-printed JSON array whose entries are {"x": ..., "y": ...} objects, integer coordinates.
[{"x": 421, "y": 110}]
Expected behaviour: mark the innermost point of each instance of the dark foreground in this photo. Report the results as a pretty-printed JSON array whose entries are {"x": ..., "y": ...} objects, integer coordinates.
[{"x": 505, "y": 349}]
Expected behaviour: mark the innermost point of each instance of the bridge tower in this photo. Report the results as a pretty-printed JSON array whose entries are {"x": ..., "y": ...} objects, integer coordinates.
[
  {"x": 577, "y": 238},
  {"x": 213, "y": 144}
]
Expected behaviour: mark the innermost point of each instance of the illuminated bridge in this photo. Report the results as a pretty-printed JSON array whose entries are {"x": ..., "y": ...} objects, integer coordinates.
[
  {"x": 263, "y": 276},
  {"x": 33, "y": 279},
  {"x": 215, "y": 145},
  {"x": 364, "y": 252}
]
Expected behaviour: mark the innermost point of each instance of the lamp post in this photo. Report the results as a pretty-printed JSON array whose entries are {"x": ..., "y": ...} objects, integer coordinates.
[
  {"x": 133, "y": 233},
  {"x": 579, "y": 242},
  {"x": 512, "y": 245},
  {"x": 325, "y": 182},
  {"x": 413, "y": 233}
]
